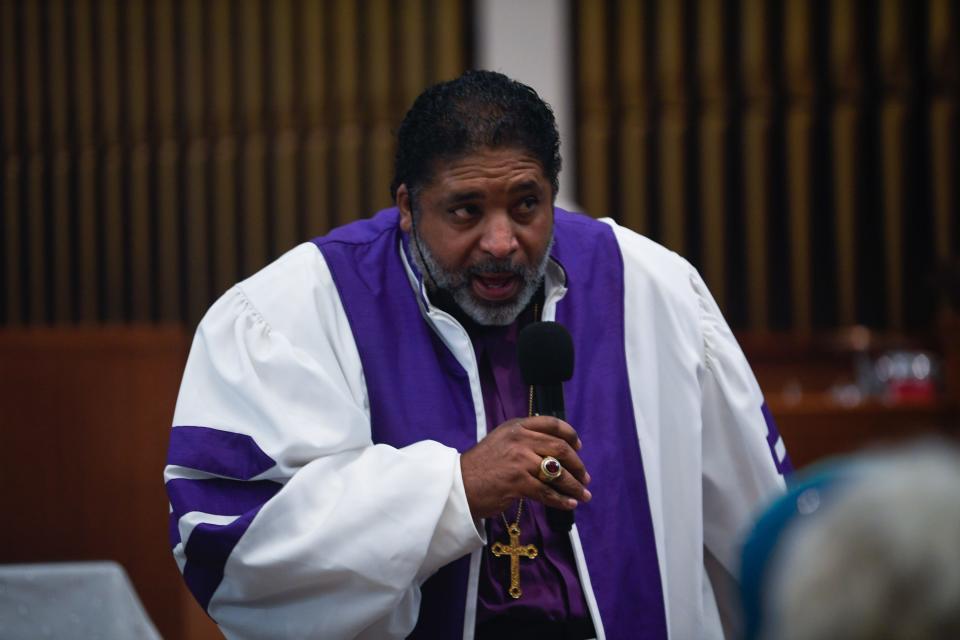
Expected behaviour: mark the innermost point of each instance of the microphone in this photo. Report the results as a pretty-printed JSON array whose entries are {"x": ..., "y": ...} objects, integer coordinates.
[{"x": 545, "y": 354}]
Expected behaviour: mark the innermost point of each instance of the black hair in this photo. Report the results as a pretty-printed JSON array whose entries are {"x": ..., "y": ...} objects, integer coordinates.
[{"x": 479, "y": 109}]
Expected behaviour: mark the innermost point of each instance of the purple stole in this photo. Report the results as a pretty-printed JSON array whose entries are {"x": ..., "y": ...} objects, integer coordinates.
[{"x": 408, "y": 370}]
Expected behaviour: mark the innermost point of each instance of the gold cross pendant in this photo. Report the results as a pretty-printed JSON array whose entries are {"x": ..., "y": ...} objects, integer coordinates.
[{"x": 514, "y": 550}]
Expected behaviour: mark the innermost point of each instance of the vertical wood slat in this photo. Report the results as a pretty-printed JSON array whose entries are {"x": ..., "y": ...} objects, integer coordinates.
[
  {"x": 89, "y": 247},
  {"x": 164, "y": 105},
  {"x": 348, "y": 138},
  {"x": 168, "y": 232},
  {"x": 60, "y": 258},
  {"x": 224, "y": 152},
  {"x": 253, "y": 187},
  {"x": 112, "y": 170},
  {"x": 35, "y": 169},
  {"x": 286, "y": 143},
  {"x": 138, "y": 161},
  {"x": 595, "y": 110},
  {"x": 36, "y": 309},
  {"x": 195, "y": 185},
  {"x": 846, "y": 75},
  {"x": 380, "y": 146},
  {"x": 799, "y": 123},
  {"x": 57, "y": 72},
  {"x": 83, "y": 113},
  {"x": 220, "y": 80},
  {"x": 448, "y": 35},
  {"x": 112, "y": 166},
  {"x": 13, "y": 287},
  {"x": 757, "y": 126},
  {"x": 195, "y": 205},
  {"x": 314, "y": 81},
  {"x": 224, "y": 222},
  {"x": 893, "y": 114},
  {"x": 12, "y": 282},
  {"x": 29, "y": 58},
  {"x": 63, "y": 293},
  {"x": 413, "y": 54},
  {"x": 284, "y": 207},
  {"x": 674, "y": 129},
  {"x": 316, "y": 145},
  {"x": 36, "y": 245},
  {"x": 634, "y": 124},
  {"x": 9, "y": 58},
  {"x": 167, "y": 164},
  {"x": 943, "y": 60},
  {"x": 715, "y": 124}
]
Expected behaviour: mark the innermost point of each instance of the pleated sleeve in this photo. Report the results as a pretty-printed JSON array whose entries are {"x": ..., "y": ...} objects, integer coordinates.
[{"x": 285, "y": 519}]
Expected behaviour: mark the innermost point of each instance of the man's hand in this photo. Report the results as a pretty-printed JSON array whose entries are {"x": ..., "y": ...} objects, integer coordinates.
[{"x": 505, "y": 465}]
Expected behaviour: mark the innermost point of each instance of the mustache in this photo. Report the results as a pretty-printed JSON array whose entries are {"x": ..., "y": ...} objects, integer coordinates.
[{"x": 493, "y": 265}]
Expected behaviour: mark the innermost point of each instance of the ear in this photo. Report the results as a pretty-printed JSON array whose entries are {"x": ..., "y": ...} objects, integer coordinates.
[{"x": 403, "y": 204}]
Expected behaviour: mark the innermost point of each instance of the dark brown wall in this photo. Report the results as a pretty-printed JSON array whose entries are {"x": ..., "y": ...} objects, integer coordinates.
[{"x": 85, "y": 420}]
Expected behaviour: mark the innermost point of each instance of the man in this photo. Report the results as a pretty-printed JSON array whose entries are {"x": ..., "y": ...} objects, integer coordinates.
[{"x": 353, "y": 453}]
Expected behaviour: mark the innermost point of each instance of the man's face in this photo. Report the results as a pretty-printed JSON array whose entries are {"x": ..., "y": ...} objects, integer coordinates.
[{"x": 482, "y": 231}]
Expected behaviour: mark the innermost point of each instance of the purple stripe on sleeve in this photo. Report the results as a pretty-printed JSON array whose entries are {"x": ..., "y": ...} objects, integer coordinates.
[
  {"x": 219, "y": 496},
  {"x": 223, "y": 453},
  {"x": 207, "y": 551},
  {"x": 784, "y": 466},
  {"x": 174, "y": 529}
]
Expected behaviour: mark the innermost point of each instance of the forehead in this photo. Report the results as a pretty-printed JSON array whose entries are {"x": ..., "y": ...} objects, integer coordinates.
[{"x": 500, "y": 168}]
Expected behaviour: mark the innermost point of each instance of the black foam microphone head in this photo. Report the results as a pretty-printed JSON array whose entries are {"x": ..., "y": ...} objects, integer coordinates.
[{"x": 545, "y": 352}]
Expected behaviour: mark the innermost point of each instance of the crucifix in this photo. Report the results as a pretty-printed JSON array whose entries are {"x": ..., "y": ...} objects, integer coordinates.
[{"x": 514, "y": 550}]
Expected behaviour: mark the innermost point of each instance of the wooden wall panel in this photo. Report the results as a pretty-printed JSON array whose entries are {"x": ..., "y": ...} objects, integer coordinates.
[
  {"x": 97, "y": 403},
  {"x": 803, "y": 155},
  {"x": 634, "y": 123},
  {"x": 943, "y": 60},
  {"x": 594, "y": 120},
  {"x": 714, "y": 83},
  {"x": 800, "y": 87},
  {"x": 156, "y": 151}
]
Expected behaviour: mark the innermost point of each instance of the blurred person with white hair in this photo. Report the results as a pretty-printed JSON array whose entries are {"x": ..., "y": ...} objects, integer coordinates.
[{"x": 864, "y": 547}]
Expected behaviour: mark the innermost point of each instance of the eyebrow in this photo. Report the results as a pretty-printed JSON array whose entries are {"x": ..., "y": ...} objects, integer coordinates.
[
  {"x": 464, "y": 196},
  {"x": 526, "y": 185}
]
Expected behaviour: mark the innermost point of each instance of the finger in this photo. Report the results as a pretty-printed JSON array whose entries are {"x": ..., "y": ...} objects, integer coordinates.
[
  {"x": 545, "y": 445},
  {"x": 553, "y": 427},
  {"x": 548, "y": 496},
  {"x": 567, "y": 484}
]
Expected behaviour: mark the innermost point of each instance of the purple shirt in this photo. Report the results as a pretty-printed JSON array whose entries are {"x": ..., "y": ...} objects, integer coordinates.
[{"x": 550, "y": 583}]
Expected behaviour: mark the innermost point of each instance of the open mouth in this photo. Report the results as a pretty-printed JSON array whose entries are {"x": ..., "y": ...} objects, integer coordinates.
[{"x": 495, "y": 287}]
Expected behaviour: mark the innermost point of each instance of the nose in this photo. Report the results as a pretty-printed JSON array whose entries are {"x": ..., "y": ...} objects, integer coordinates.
[{"x": 498, "y": 239}]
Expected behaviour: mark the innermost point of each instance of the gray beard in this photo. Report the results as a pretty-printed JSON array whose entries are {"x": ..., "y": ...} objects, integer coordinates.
[{"x": 457, "y": 283}]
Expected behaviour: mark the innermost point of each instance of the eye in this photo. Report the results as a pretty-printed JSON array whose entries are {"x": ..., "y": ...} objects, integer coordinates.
[
  {"x": 465, "y": 212},
  {"x": 527, "y": 205}
]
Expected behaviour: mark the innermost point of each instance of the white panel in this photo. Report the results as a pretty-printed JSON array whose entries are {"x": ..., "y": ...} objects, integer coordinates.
[{"x": 530, "y": 42}]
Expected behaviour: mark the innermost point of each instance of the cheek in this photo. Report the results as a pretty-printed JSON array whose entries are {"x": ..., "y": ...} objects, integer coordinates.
[{"x": 454, "y": 250}]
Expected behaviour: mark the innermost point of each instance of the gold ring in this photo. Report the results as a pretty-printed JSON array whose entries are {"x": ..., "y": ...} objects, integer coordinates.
[{"x": 550, "y": 469}]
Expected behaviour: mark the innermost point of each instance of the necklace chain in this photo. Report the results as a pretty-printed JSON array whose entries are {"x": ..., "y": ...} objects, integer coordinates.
[{"x": 503, "y": 515}]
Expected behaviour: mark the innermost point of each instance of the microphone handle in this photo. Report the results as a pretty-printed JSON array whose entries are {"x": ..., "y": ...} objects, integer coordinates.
[{"x": 548, "y": 401}]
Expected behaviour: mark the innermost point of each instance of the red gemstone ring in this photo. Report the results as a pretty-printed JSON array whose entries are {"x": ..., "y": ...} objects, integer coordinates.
[{"x": 550, "y": 469}]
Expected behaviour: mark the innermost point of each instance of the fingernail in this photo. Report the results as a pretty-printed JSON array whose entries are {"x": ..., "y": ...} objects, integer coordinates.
[
  {"x": 587, "y": 496},
  {"x": 571, "y": 503},
  {"x": 579, "y": 444}
]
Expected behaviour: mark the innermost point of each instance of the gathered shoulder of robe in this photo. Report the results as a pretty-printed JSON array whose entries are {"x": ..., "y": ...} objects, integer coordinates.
[{"x": 313, "y": 469}]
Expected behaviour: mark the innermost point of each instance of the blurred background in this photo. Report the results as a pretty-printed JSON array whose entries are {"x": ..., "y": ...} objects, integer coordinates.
[{"x": 803, "y": 154}]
